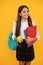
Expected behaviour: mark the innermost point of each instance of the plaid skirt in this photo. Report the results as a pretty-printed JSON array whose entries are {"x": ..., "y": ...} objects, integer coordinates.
[{"x": 24, "y": 53}]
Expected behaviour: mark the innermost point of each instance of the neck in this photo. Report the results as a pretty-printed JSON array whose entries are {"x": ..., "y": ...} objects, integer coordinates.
[{"x": 23, "y": 19}]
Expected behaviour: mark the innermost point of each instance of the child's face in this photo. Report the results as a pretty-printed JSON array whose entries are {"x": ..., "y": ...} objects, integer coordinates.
[{"x": 24, "y": 13}]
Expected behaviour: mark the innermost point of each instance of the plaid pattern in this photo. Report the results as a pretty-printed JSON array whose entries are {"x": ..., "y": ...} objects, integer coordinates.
[{"x": 24, "y": 53}]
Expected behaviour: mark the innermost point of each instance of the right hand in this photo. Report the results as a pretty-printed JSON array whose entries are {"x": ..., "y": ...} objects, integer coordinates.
[
  {"x": 21, "y": 41},
  {"x": 15, "y": 38}
]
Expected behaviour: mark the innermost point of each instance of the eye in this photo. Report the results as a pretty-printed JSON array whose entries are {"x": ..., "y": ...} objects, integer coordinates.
[{"x": 24, "y": 11}]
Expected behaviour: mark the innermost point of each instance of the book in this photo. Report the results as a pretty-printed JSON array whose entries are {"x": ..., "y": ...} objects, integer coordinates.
[
  {"x": 25, "y": 33},
  {"x": 31, "y": 32}
]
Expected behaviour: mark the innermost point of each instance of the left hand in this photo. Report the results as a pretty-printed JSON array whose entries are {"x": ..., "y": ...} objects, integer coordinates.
[{"x": 28, "y": 39}]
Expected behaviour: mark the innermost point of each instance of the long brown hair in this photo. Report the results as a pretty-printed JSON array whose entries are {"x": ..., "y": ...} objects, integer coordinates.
[{"x": 17, "y": 33}]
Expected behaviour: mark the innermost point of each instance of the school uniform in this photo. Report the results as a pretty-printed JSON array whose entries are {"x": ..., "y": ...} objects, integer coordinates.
[{"x": 23, "y": 52}]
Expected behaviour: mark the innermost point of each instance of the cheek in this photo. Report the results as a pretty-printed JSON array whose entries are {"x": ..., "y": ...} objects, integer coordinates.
[{"x": 23, "y": 15}]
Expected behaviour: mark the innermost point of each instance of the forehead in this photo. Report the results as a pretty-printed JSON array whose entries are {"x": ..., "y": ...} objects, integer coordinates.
[{"x": 25, "y": 9}]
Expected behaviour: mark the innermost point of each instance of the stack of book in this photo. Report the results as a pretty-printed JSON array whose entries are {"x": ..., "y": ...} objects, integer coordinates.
[{"x": 31, "y": 32}]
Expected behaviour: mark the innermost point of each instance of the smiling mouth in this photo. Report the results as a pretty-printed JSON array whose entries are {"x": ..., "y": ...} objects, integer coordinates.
[{"x": 26, "y": 15}]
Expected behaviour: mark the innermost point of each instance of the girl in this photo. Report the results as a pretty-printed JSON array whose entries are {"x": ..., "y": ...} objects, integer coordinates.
[{"x": 24, "y": 54}]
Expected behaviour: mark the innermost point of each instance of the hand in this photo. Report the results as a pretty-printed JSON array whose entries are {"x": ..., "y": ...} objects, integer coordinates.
[
  {"x": 21, "y": 41},
  {"x": 33, "y": 39},
  {"x": 28, "y": 40},
  {"x": 15, "y": 38}
]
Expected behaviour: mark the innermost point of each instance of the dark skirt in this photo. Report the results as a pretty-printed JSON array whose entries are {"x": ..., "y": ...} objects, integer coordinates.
[{"x": 24, "y": 53}]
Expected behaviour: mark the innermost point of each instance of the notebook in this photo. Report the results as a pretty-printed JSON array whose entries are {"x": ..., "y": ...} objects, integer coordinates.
[{"x": 31, "y": 32}]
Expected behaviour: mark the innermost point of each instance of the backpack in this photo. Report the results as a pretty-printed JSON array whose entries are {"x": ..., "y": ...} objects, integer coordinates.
[{"x": 12, "y": 43}]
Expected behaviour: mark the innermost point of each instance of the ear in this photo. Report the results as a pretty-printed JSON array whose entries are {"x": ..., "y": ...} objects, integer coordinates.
[{"x": 19, "y": 14}]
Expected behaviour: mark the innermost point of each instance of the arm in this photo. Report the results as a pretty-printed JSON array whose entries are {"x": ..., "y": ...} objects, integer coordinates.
[
  {"x": 37, "y": 35},
  {"x": 28, "y": 40},
  {"x": 13, "y": 30}
]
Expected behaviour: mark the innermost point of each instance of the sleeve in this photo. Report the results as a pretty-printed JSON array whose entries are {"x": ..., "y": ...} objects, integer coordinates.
[
  {"x": 14, "y": 29},
  {"x": 37, "y": 35}
]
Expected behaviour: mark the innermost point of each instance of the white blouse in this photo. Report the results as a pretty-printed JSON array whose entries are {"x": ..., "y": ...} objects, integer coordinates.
[{"x": 24, "y": 25}]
